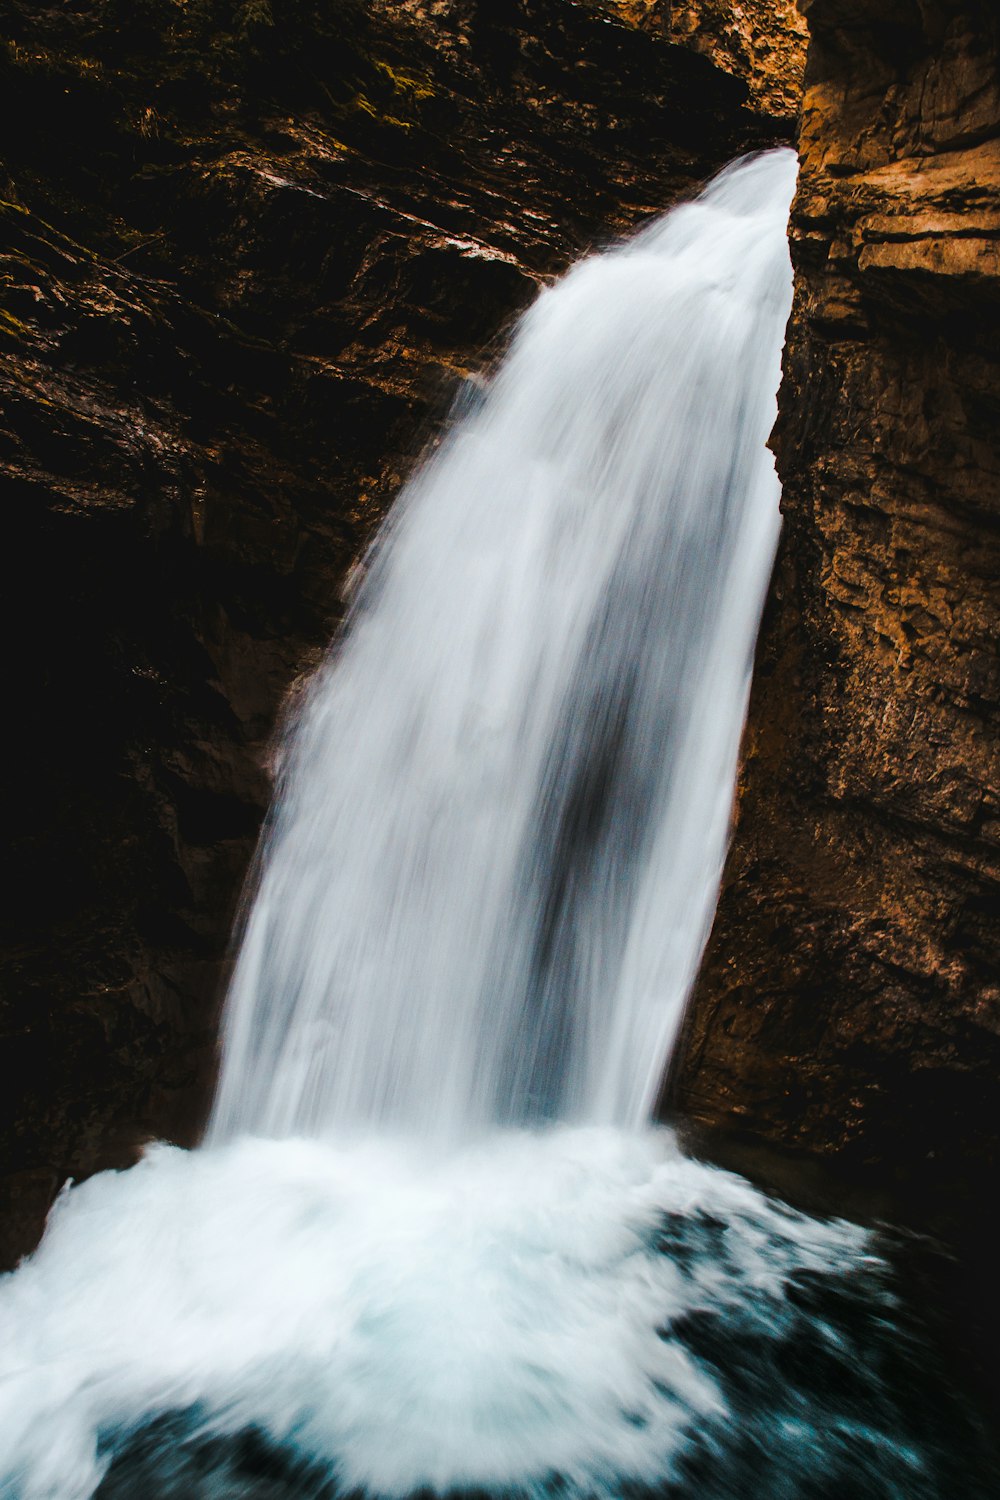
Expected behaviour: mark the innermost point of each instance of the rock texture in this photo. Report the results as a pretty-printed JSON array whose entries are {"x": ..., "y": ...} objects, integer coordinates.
[
  {"x": 850, "y": 1001},
  {"x": 249, "y": 252},
  {"x": 763, "y": 43}
]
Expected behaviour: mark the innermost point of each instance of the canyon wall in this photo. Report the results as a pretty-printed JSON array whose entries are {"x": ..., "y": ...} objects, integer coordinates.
[
  {"x": 849, "y": 1002},
  {"x": 250, "y": 254}
]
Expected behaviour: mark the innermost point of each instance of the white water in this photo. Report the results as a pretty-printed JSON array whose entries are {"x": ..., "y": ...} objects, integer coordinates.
[
  {"x": 486, "y": 888},
  {"x": 494, "y": 1317},
  {"x": 500, "y": 831}
]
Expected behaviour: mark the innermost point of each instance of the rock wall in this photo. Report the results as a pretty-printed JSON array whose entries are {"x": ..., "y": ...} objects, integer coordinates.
[
  {"x": 249, "y": 252},
  {"x": 763, "y": 43},
  {"x": 850, "y": 1001}
]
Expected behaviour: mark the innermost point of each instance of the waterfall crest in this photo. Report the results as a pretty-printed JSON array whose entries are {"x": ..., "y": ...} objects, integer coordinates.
[{"x": 502, "y": 816}]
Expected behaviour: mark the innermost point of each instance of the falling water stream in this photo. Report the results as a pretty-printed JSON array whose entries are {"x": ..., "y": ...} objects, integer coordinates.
[
  {"x": 432, "y": 1244},
  {"x": 501, "y": 825}
]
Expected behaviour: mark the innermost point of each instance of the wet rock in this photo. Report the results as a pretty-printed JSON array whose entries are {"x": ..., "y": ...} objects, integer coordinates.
[{"x": 849, "y": 1002}]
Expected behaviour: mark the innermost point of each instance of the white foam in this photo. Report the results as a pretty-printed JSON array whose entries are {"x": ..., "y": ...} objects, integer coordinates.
[{"x": 490, "y": 1317}]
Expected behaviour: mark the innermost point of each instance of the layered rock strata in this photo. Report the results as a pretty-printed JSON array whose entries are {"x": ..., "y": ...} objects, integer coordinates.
[{"x": 850, "y": 999}]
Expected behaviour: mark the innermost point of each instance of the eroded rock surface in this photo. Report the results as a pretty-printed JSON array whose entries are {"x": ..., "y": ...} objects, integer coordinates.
[
  {"x": 850, "y": 1001},
  {"x": 249, "y": 253},
  {"x": 763, "y": 42}
]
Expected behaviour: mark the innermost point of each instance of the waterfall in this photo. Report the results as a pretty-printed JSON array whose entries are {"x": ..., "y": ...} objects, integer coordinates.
[
  {"x": 501, "y": 821},
  {"x": 431, "y": 1246}
]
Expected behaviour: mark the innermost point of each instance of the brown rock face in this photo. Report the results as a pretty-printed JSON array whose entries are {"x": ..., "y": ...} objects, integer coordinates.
[
  {"x": 849, "y": 1001},
  {"x": 248, "y": 253},
  {"x": 764, "y": 42}
]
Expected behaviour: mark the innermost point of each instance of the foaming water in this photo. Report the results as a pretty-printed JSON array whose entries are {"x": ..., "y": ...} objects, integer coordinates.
[
  {"x": 402, "y": 1320},
  {"x": 576, "y": 1313},
  {"x": 498, "y": 839}
]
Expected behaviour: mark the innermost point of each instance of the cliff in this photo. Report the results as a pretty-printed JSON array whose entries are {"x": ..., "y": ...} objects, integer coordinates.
[
  {"x": 249, "y": 254},
  {"x": 849, "y": 1003}
]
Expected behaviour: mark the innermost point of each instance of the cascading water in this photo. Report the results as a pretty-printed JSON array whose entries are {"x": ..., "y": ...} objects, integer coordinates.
[
  {"x": 502, "y": 821},
  {"x": 431, "y": 1244}
]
